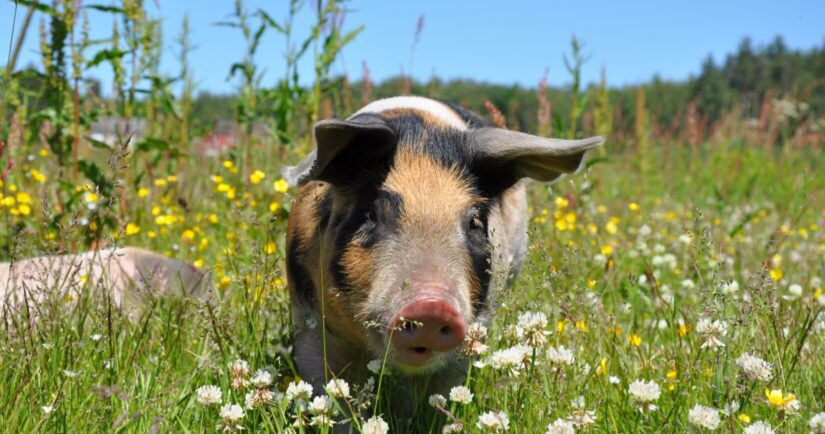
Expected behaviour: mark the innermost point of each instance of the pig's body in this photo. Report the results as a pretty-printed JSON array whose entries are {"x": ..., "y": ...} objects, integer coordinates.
[
  {"x": 128, "y": 273},
  {"x": 411, "y": 217}
]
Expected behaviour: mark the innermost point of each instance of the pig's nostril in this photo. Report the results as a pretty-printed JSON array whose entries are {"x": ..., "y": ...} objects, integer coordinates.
[
  {"x": 445, "y": 330},
  {"x": 420, "y": 350}
]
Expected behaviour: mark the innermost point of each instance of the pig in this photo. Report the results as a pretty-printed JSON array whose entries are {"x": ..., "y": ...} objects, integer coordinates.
[
  {"x": 411, "y": 215},
  {"x": 128, "y": 272}
]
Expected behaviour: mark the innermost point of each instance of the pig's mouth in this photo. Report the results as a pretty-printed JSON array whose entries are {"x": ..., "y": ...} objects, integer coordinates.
[{"x": 424, "y": 334}]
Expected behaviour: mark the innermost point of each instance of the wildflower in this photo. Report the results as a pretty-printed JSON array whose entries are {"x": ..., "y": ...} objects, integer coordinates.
[
  {"x": 494, "y": 421},
  {"x": 281, "y": 186},
  {"x": 794, "y": 292},
  {"x": 300, "y": 393},
  {"x": 754, "y": 367},
  {"x": 37, "y": 176},
  {"x": 510, "y": 359},
  {"x": 782, "y": 402},
  {"x": 375, "y": 425},
  {"x": 70, "y": 374},
  {"x": 96, "y": 337},
  {"x": 338, "y": 388},
  {"x": 224, "y": 282},
  {"x": 712, "y": 331},
  {"x": 209, "y": 395},
  {"x": 258, "y": 398},
  {"x": 143, "y": 192},
  {"x": 231, "y": 415},
  {"x": 759, "y": 428},
  {"x": 256, "y": 177},
  {"x": 321, "y": 405},
  {"x": 239, "y": 369},
  {"x": 817, "y": 423},
  {"x": 744, "y": 418},
  {"x": 634, "y": 339},
  {"x": 644, "y": 392},
  {"x": 461, "y": 395},
  {"x": 48, "y": 409},
  {"x": 561, "y": 202},
  {"x": 776, "y": 274},
  {"x": 581, "y": 416},
  {"x": 532, "y": 326},
  {"x": 453, "y": 427},
  {"x": 375, "y": 366},
  {"x": 613, "y": 379},
  {"x": 132, "y": 229},
  {"x": 560, "y": 356},
  {"x": 261, "y": 379},
  {"x": 437, "y": 400},
  {"x": 704, "y": 417},
  {"x": 561, "y": 426}
]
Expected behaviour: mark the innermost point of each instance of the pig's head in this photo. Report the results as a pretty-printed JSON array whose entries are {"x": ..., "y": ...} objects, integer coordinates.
[{"x": 411, "y": 229}]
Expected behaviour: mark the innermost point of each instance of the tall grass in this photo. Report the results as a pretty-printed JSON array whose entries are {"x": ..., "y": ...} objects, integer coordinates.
[{"x": 626, "y": 259}]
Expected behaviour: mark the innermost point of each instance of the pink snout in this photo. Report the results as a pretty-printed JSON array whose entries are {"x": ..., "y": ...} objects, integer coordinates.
[{"x": 426, "y": 327}]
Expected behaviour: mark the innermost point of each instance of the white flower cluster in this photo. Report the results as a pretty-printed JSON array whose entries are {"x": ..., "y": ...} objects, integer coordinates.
[
  {"x": 495, "y": 421},
  {"x": 644, "y": 392},
  {"x": 712, "y": 331},
  {"x": 755, "y": 368},
  {"x": 704, "y": 417}
]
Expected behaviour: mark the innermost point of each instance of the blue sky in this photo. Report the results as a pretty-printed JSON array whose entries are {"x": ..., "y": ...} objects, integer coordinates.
[{"x": 497, "y": 41}]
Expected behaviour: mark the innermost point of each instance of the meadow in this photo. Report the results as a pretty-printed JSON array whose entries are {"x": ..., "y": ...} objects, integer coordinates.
[{"x": 674, "y": 285}]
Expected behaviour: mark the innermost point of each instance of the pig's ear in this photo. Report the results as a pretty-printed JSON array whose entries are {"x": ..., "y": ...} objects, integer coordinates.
[
  {"x": 510, "y": 155},
  {"x": 341, "y": 147}
]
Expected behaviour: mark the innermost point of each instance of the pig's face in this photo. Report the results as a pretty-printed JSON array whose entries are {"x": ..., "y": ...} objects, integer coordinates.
[{"x": 411, "y": 234}]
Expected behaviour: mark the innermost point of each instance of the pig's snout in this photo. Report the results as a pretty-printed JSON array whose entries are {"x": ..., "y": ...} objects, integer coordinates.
[{"x": 426, "y": 327}]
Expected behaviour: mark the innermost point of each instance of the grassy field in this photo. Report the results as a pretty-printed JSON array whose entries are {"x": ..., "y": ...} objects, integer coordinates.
[
  {"x": 674, "y": 285},
  {"x": 664, "y": 267}
]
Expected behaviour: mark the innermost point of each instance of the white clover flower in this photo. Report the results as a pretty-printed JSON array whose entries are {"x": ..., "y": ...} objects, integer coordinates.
[
  {"x": 712, "y": 331},
  {"x": 613, "y": 379},
  {"x": 474, "y": 340},
  {"x": 261, "y": 379},
  {"x": 337, "y": 388},
  {"x": 730, "y": 288},
  {"x": 239, "y": 368},
  {"x": 300, "y": 393},
  {"x": 321, "y": 405},
  {"x": 453, "y": 427},
  {"x": 96, "y": 337},
  {"x": 754, "y": 367},
  {"x": 375, "y": 425},
  {"x": 70, "y": 374},
  {"x": 437, "y": 400},
  {"x": 561, "y": 426},
  {"x": 581, "y": 416},
  {"x": 688, "y": 284},
  {"x": 704, "y": 417},
  {"x": 511, "y": 359},
  {"x": 532, "y": 328},
  {"x": 374, "y": 366},
  {"x": 231, "y": 413},
  {"x": 258, "y": 398},
  {"x": 209, "y": 394},
  {"x": 817, "y": 423},
  {"x": 560, "y": 356},
  {"x": 644, "y": 392},
  {"x": 685, "y": 239},
  {"x": 322, "y": 420},
  {"x": 461, "y": 395},
  {"x": 48, "y": 409},
  {"x": 759, "y": 427},
  {"x": 495, "y": 421}
]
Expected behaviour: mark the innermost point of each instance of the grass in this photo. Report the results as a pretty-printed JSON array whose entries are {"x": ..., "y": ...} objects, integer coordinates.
[{"x": 624, "y": 263}]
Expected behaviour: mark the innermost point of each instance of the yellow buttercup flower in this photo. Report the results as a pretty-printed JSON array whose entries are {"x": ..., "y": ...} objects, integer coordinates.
[
  {"x": 281, "y": 186},
  {"x": 634, "y": 339},
  {"x": 270, "y": 248},
  {"x": 562, "y": 203},
  {"x": 744, "y": 418},
  {"x": 256, "y": 177},
  {"x": 778, "y": 400},
  {"x": 776, "y": 274},
  {"x": 633, "y": 206},
  {"x": 37, "y": 176},
  {"x": 132, "y": 229},
  {"x": 143, "y": 192}
]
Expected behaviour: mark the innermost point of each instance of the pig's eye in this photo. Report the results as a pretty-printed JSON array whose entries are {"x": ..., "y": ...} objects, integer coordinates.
[
  {"x": 475, "y": 221},
  {"x": 369, "y": 217}
]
